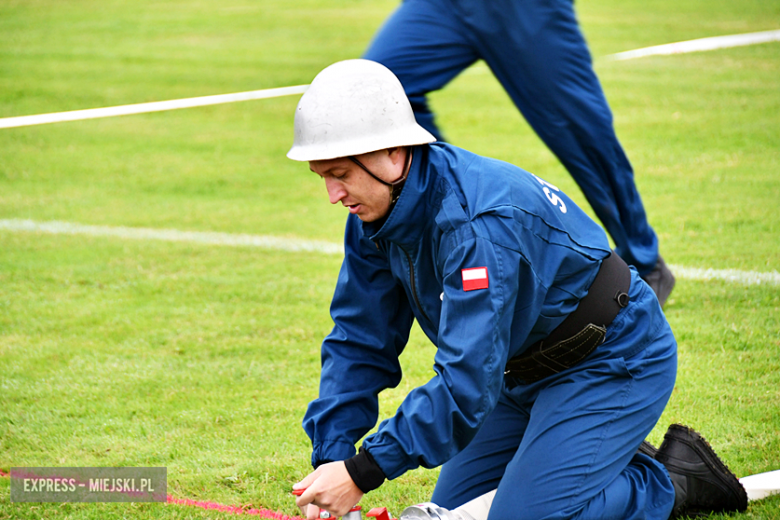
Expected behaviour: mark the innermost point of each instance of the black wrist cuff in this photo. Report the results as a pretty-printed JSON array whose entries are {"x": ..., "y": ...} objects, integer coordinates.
[
  {"x": 364, "y": 471},
  {"x": 321, "y": 462}
]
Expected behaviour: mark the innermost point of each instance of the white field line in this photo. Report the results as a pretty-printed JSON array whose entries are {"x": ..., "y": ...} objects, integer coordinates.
[
  {"x": 727, "y": 275},
  {"x": 156, "y": 106},
  {"x": 315, "y": 246},
  {"x": 702, "y": 44},
  {"x": 174, "y": 235}
]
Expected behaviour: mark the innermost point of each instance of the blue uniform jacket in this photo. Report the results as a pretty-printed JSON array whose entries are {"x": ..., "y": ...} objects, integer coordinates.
[{"x": 457, "y": 211}]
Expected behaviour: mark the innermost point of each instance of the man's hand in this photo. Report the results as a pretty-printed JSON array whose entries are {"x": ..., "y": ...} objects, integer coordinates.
[
  {"x": 329, "y": 487},
  {"x": 310, "y": 512}
]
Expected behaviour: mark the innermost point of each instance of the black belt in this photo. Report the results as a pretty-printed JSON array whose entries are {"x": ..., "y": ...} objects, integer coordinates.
[{"x": 581, "y": 332}]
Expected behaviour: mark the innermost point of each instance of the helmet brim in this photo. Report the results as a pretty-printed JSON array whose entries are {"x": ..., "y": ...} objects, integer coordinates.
[{"x": 326, "y": 151}]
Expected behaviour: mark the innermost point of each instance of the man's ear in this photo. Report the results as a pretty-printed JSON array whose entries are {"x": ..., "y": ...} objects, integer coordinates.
[{"x": 396, "y": 154}]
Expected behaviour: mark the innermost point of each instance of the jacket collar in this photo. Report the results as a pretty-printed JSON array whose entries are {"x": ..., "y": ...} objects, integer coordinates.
[{"x": 412, "y": 212}]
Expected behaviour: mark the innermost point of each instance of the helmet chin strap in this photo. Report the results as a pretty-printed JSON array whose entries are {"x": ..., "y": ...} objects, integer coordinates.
[{"x": 396, "y": 185}]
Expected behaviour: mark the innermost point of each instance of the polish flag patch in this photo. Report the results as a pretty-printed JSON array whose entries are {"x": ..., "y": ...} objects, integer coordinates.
[{"x": 474, "y": 278}]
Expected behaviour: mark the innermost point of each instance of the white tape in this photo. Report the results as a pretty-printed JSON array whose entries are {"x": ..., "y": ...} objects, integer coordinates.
[
  {"x": 478, "y": 508},
  {"x": 761, "y": 485},
  {"x": 702, "y": 44},
  {"x": 156, "y": 106}
]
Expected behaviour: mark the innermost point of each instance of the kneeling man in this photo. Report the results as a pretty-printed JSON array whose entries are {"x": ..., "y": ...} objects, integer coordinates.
[{"x": 554, "y": 359}]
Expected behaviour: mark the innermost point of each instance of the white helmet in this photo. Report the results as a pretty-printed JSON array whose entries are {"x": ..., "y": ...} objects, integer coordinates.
[{"x": 354, "y": 107}]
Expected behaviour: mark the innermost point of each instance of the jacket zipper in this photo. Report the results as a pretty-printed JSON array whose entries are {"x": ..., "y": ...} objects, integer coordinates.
[{"x": 414, "y": 288}]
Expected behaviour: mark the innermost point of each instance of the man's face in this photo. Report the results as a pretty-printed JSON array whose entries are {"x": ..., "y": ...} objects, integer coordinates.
[{"x": 355, "y": 189}]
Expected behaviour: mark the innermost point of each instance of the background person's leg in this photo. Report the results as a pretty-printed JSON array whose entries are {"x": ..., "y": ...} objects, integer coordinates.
[
  {"x": 424, "y": 44},
  {"x": 537, "y": 52}
]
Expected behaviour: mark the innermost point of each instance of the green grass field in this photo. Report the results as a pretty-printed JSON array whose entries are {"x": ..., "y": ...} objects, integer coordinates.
[{"x": 202, "y": 358}]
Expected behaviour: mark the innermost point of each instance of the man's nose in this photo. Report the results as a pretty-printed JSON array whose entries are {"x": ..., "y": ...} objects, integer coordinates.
[{"x": 336, "y": 190}]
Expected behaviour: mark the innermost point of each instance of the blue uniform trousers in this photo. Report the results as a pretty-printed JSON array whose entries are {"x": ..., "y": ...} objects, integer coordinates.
[
  {"x": 565, "y": 447},
  {"x": 537, "y": 52}
]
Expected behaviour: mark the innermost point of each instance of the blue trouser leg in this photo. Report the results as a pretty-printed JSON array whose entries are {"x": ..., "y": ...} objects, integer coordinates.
[
  {"x": 425, "y": 46},
  {"x": 565, "y": 447},
  {"x": 537, "y": 52},
  {"x": 544, "y": 64}
]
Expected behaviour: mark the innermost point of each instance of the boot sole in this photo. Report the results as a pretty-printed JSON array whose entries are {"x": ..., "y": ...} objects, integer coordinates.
[{"x": 699, "y": 444}]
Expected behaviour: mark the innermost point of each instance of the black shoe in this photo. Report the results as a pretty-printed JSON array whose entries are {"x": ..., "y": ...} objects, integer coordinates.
[
  {"x": 648, "y": 449},
  {"x": 702, "y": 483},
  {"x": 661, "y": 280}
]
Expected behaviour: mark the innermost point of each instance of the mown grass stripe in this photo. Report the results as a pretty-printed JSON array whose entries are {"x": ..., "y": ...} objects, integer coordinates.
[{"x": 317, "y": 246}]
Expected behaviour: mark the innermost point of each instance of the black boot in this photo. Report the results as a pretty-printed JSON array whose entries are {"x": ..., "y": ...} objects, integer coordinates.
[
  {"x": 661, "y": 280},
  {"x": 648, "y": 449},
  {"x": 702, "y": 483}
]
